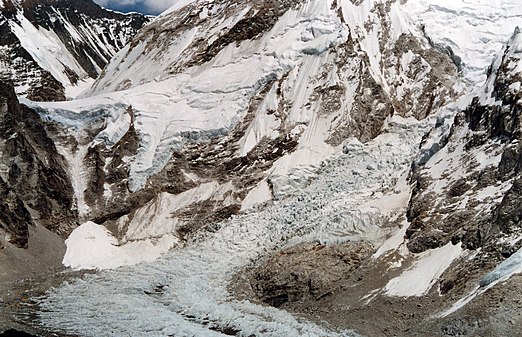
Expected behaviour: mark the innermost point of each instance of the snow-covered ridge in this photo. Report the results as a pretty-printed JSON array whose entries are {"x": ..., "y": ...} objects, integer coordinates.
[
  {"x": 181, "y": 35},
  {"x": 468, "y": 178},
  {"x": 172, "y": 87},
  {"x": 73, "y": 42},
  {"x": 474, "y": 30},
  {"x": 271, "y": 104}
]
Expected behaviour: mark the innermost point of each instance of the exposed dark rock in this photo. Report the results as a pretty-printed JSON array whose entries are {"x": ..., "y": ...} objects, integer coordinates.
[
  {"x": 494, "y": 130},
  {"x": 48, "y": 89},
  {"x": 15, "y": 333},
  {"x": 508, "y": 215},
  {"x": 373, "y": 105},
  {"x": 93, "y": 24},
  {"x": 308, "y": 271},
  {"x": 34, "y": 185}
]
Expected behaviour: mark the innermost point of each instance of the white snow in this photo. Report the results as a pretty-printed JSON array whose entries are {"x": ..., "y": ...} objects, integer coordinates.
[
  {"x": 75, "y": 91},
  {"x": 175, "y": 104},
  {"x": 92, "y": 246},
  {"x": 475, "y": 30},
  {"x": 78, "y": 175},
  {"x": 191, "y": 106},
  {"x": 148, "y": 234},
  {"x": 258, "y": 195},
  {"x": 425, "y": 271},
  {"x": 292, "y": 172},
  {"x": 46, "y": 48},
  {"x": 51, "y": 54},
  {"x": 265, "y": 124},
  {"x": 393, "y": 242},
  {"x": 180, "y": 4}
]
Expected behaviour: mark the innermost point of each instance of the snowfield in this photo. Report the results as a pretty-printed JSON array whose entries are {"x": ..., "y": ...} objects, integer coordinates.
[{"x": 474, "y": 30}]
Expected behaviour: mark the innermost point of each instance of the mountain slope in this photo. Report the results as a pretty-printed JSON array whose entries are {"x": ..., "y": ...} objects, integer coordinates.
[
  {"x": 37, "y": 200},
  {"x": 55, "y": 45},
  {"x": 35, "y": 186},
  {"x": 475, "y": 163},
  {"x": 454, "y": 264},
  {"x": 471, "y": 31},
  {"x": 272, "y": 148},
  {"x": 318, "y": 74}
]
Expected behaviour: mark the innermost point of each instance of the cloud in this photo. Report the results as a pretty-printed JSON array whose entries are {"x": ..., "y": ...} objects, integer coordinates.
[
  {"x": 144, "y": 6},
  {"x": 160, "y": 5}
]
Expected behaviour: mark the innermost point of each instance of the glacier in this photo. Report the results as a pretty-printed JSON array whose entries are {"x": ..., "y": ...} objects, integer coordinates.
[
  {"x": 319, "y": 193},
  {"x": 474, "y": 31},
  {"x": 338, "y": 205}
]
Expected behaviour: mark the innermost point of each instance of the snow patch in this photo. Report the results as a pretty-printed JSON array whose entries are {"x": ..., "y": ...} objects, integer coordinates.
[
  {"x": 258, "y": 195},
  {"x": 92, "y": 246},
  {"x": 156, "y": 219},
  {"x": 393, "y": 243},
  {"x": 426, "y": 270}
]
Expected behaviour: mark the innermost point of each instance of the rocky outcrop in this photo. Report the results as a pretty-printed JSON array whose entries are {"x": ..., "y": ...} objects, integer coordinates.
[
  {"x": 468, "y": 190},
  {"x": 306, "y": 272},
  {"x": 34, "y": 186},
  {"x": 79, "y": 38},
  {"x": 47, "y": 89},
  {"x": 15, "y": 333}
]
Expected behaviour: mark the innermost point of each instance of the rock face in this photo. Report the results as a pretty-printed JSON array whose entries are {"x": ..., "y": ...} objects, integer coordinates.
[
  {"x": 467, "y": 181},
  {"x": 34, "y": 186},
  {"x": 52, "y": 44}
]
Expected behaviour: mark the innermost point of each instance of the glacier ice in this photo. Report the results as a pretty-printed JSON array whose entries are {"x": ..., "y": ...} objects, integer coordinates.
[
  {"x": 194, "y": 299},
  {"x": 512, "y": 265}
]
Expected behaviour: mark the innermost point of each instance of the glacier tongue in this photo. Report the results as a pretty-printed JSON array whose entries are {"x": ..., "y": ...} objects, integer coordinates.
[{"x": 184, "y": 293}]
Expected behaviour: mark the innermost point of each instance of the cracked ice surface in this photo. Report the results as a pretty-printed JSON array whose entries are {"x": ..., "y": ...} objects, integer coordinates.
[{"x": 342, "y": 204}]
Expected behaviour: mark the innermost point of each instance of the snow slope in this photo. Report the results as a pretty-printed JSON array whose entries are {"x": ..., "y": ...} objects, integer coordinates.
[
  {"x": 177, "y": 99},
  {"x": 71, "y": 41},
  {"x": 92, "y": 246},
  {"x": 420, "y": 278},
  {"x": 474, "y": 30}
]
